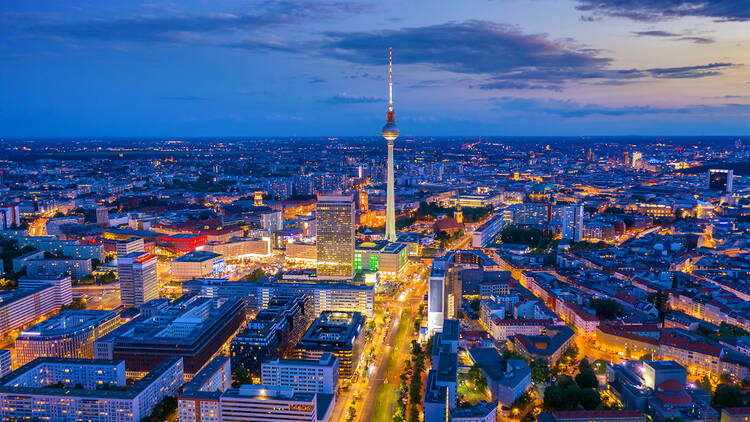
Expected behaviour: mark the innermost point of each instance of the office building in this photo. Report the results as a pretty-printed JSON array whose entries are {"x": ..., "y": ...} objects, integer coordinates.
[
  {"x": 138, "y": 279},
  {"x": 69, "y": 334},
  {"x": 339, "y": 333},
  {"x": 197, "y": 264},
  {"x": 660, "y": 390},
  {"x": 387, "y": 258},
  {"x": 273, "y": 332},
  {"x": 344, "y": 297},
  {"x": 241, "y": 248},
  {"x": 444, "y": 293},
  {"x": 572, "y": 222},
  {"x": 127, "y": 246},
  {"x": 34, "y": 298},
  {"x": 335, "y": 242},
  {"x": 721, "y": 180},
  {"x": 191, "y": 327},
  {"x": 6, "y": 365},
  {"x": 73, "y": 390},
  {"x": 311, "y": 376}
]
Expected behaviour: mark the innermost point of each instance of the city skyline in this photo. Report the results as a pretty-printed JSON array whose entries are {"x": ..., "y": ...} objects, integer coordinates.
[{"x": 285, "y": 68}]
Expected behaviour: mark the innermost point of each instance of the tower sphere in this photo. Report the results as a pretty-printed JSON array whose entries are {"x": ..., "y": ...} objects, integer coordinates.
[{"x": 390, "y": 131}]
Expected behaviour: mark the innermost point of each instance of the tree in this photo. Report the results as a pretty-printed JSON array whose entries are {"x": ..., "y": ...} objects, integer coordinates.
[
  {"x": 584, "y": 364},
  {"x": 647, "y": 356},
  {"x": 590, "y": 398},
  {"x": 726, "y": 396},
  {"x": 587, "y": 379},
  {"x": 539, "y": 370},
  {"x": 572, "y": 396},
  {"x": 554, "y": 398},
  {"x": 77, "y": 303},
  {"x": 705, "y": 384},
  {"x": 256, "y": 275},
  {"x": 474, "y": 305},
  {"x": 606, "y": 308},
  {"x": 673, "y": 419},
  {"x": 476, "y": 377},
  {"x": 241, "y": 377}
]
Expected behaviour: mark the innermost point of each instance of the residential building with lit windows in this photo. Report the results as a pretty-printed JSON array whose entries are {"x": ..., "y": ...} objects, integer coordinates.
[
  {"x": 334, "y": 218},
  {"x": 548, "y": 346},
  {"x": 78, "y": 389},
  {"x": 199, "y": 401},
  {"x": 35, "y": 297},
  {"x": 69, "y": 334},
  {"x": 636, "y": 339},
  {"x": 339, "y": 333}
]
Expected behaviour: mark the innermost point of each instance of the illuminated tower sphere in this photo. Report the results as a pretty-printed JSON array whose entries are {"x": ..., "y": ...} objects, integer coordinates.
[{"x": 390, "y": 133}]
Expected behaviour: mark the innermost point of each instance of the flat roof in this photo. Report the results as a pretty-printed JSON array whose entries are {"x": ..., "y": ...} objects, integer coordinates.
[{"x": 197, "y": 256}]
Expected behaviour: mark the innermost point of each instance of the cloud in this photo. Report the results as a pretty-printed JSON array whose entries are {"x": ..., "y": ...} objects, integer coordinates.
[
  {"x": 659, "y": 10},
  {"x": 316, "y": 80},
  {"x": 185, "y": 98},
  {"x": 344, "y": 98},
  {"x": 689, "y": 72},
  {"x": 571, "y": 109},
  {"x": 181, "y": 28},
  {"x": 501, "y": 57},
  {"x": 675, "y": 36},
  {"x": 473, "y": 47}
]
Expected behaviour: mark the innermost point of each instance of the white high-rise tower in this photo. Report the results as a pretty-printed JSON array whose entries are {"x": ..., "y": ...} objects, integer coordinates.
[{"x": 390, "y": 133}]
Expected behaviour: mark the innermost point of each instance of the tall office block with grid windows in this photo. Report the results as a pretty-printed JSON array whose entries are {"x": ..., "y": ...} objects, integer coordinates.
[{"x": 335, "y": 223}]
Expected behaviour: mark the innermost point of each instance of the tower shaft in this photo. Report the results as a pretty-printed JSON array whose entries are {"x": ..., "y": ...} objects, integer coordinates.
[{"x": 390, "y": 208}]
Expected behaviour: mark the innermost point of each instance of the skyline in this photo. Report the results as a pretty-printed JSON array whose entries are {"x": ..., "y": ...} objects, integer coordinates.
[{"x": 292, "y": 68}]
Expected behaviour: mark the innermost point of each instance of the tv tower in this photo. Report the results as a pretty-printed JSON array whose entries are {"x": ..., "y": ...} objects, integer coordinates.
[{"x": 390, "y": 133}]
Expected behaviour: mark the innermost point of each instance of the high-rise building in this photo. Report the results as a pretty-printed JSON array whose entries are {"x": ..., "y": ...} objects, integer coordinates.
[
  {"x": 390, "y": 133},
  {"x": 572, "y": 222},
  {"x": 721, "y": 180},
  {"x": 335, "y": 223},
  {"x": 635, "y": 158},
  {"x": 102, "y": 216},
  {"x": 138, "y": 282},
  {"x": 339, "y": 333},
  {"x": 129, "y": 245},
  {"x": 444, "y": 294}
]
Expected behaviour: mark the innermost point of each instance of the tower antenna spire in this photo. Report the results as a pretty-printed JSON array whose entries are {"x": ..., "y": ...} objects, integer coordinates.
[{"x": 390, "y": 85}]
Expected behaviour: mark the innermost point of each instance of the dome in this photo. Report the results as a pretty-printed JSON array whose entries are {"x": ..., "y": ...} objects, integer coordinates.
[
  {"x": 390, "y": 131},
  {"x": 673, "y": 392}
]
